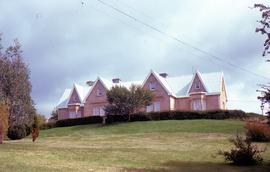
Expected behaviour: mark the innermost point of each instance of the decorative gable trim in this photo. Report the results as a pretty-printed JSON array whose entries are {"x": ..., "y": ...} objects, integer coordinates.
[
  {"x": 223, "y": 84},
  {"x": 90, "y": 91},
  {"x": 159, "y": 81},
  {"x": 74, "y": 89},
  {"x": 192, "y": 81}
]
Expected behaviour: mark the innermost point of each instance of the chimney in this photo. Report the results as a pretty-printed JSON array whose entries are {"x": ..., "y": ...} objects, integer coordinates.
[
  {"x": 164, "y": 75},
  {"x": 116, "y": 80},
  {"x": 90, "y": 83}
]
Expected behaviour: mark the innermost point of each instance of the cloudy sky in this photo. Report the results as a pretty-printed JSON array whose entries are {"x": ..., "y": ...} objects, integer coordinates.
[{"x": 67, "y": 41}]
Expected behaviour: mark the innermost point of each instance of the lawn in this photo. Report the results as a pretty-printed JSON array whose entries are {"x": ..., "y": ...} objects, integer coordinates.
[{"x": 184, "y": 145}]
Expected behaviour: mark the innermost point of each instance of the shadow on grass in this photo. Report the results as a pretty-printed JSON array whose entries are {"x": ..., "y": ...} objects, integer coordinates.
[
  {"x": 209, "y": 167},
  {"x": 180, "y": 166}
]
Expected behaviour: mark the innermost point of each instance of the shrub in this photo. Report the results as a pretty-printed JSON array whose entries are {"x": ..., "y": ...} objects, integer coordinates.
[
  {"x": 244, "y": 153},
  {"x": 257, "y": 131},
  {"x": 116, "y": 118},
  {"x": 18, "y": 132},
  {"x": 79, "y": 121},
  {"x": 182, "y": 115},
  {"x": 48, "y": 125}
]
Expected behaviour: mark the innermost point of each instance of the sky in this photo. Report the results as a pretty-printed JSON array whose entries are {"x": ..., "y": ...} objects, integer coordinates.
[{"x": 67, "y": 41}]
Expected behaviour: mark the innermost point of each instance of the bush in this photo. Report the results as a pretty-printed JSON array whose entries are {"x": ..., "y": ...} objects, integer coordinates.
[
  {"x": 18, "y": 132},
  {"x": 79, "y": 121},
  {"x": 244, "y": 153},
  {"x": 180, "y": 115},
  {"x": 116, "y": 118},
  {"x": 257, "y": 131}
]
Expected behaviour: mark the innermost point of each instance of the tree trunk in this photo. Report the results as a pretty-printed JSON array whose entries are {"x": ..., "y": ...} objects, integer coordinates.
[{"x": 1, "y": 137}]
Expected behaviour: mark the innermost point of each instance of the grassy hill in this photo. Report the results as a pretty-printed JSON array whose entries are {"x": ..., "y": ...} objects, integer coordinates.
[{"x": 184, "y": 145}]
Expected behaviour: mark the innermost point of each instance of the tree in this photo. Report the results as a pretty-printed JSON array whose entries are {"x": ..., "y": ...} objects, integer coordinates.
[
  {"x": 54, "y": 116},
  {"x": 4, "y": 109},
  {"x": 15, "y": 86},
  {"x": 123, "y": 101},
  {"x": 264, "y": 29}
]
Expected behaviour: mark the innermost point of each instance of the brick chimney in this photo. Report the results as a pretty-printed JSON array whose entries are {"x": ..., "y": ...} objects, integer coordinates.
[
  {"x": 164, "y": 75},
  {"x": 116, "y": 80},
  {"x": 90, "y": 83}
]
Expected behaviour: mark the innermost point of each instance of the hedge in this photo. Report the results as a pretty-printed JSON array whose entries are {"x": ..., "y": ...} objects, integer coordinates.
[
  {"x": 179, "y": 115},
  {"x": 153, "y": 116},
  {"x": 78, "y": 121}
]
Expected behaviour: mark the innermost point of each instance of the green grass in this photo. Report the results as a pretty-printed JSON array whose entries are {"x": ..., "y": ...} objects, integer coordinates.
[{"x": 186, "y": 145}]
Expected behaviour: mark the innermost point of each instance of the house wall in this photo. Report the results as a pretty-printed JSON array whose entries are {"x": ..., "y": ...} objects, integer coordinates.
[
  {"x": 74, "y": 98},
  {"x": 197, "y": 81},
  {"x": 213, "y": 102},
  {"x": 159, "y": 93},
  {"x": 62, "y": 113},
  {"x": 93, "y": 100},
  {"x": 223, "y": 96},
  {"x": 182, "y": 103}
]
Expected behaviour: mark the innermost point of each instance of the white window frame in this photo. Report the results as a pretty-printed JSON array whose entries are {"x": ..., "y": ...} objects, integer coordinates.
[
  {"x": 152, "y": 86},
  {"x": 149, "y": 108},
  {"x": 72, "y": 114},
  {"x": 99, "y": 111},
  {"x": 99, "y": 92},
  {"x": 154, "y": 107},
  {"x": 198, "y": 104}
]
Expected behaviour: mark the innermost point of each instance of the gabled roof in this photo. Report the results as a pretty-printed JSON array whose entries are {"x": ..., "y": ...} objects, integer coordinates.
[
  {"x": 180, "y": 85},
  {"x": 64, "y": 99},
  {"x": 175, "y": 86},
  {"x": 199, "y": 75},
  {"x": 109, "y": 84},
  {"x": 161, "y": 80},
  {"x": 81, "y": 91}
]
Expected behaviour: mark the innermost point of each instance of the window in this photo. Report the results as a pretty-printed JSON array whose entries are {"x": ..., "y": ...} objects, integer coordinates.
[
  {"x": 98, "y": 111},
  {"x": 99, "y": 92},
  {"x": 197, "y": 85},
  {"x": 79, "y": 114},
  {"x": 72, "y": 114},
  {"x": 152, "y": 86},
  {"x": 156, "y": 106},
  {"x": 153, "y": 107},
  {"x": 198, "y": 104},
  {"x": 149, "y": 108}
]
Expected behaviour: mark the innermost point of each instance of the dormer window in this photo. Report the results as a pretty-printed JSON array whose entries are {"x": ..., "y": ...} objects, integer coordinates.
[
  {"x": 152, "y": 86},
  {"x": 99, "y": 92},
  {"x": 197, "y": 85},
  {"x": 75, "y": 99}
]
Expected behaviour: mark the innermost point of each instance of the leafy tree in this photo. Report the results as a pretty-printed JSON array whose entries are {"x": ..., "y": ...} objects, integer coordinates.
[
  {"x": 123, "y": 101},
  {"x": 54, "y": 116},
  {"x": 15, "y": 86},
  {"x": 264, "y": 29}
]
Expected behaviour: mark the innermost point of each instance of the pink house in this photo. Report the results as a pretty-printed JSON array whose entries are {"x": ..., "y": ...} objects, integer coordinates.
[{"x": 188, "y": 92}]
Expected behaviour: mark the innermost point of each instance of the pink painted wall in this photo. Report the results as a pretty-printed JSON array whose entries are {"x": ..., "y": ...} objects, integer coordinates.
[
  {"x": 74, "y": 97},
  {"x": 197, "y": 81},
  {"x": 95, "y": 101},
  {"x": 159, "y": 93},
  {"x": 62, "y": 113},
  {"x": 182, "y": 103},
  {"x": 212, "y": 102}
]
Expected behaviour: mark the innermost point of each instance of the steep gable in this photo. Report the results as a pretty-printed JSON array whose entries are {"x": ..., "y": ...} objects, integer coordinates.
[
  {"x": 74, "y": 97},
  {"x": 197, "y": 84},
  {"x": 154, "y": 79}
]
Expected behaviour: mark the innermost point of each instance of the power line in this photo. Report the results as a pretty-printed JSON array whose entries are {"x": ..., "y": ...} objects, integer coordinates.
[{"x": 181, "y": 41}]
